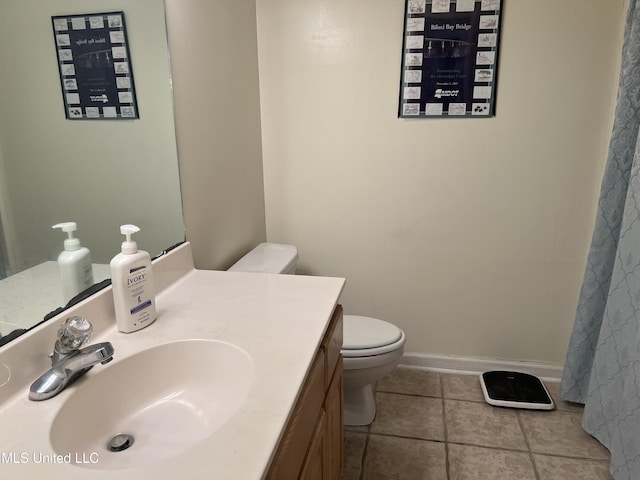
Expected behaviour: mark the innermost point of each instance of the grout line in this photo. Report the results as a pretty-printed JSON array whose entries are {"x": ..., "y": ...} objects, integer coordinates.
[
  {"x": 410, "y": 394},
  {"x": 365, "y": 449},
  {"x": 466, "y": 400},
  {"x": 432, "y": 396},
  {"x": 526, "y": 440},
  {"x": 556, "y": 455},
  {"x": 478, "y": 445},
  {"x": 364, "y": 454},
  {"x": 514, "y": 450},
  {"x": 444, "y": 426},
  {"x": 456, "y": 443},
  {"x": 574, "y": 410},
  {"x": 420, "y": 439}
]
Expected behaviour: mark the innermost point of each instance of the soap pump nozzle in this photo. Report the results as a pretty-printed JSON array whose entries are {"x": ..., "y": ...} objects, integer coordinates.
[
  {"x": 129, "y": 246},
  {"x": 70, "y": 243}
]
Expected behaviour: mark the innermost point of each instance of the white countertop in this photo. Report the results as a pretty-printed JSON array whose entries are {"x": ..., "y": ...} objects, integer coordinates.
[{"x": 278, "y": 319}]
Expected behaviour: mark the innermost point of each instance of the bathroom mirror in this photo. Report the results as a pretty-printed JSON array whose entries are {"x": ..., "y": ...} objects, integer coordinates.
[{"x": 98, "y": 173}]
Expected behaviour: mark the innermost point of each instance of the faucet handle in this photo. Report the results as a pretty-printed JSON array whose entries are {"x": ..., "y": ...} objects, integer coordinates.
[{"x": 73, "y": 333}]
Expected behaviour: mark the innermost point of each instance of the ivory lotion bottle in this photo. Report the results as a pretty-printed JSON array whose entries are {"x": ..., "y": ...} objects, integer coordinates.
[{"x": 132, "y": 282}]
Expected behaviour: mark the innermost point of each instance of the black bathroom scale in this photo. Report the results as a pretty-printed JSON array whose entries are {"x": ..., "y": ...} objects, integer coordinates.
[{"x": 515, "y": 390}]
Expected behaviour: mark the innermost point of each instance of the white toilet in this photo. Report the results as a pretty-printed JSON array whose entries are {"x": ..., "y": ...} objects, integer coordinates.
[{"x": 371, "y": 348}]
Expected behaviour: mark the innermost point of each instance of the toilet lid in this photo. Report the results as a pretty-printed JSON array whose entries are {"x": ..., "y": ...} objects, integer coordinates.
[{"x": 360, "y": 333}]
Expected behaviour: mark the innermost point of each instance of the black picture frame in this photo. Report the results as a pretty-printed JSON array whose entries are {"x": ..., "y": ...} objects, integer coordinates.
[
  {"x": 94, "y": 62},
  {"x": 450, "y": 58}
]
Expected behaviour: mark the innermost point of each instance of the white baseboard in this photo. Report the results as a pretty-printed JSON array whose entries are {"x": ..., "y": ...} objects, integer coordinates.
[{"x": 548, "y": 372}]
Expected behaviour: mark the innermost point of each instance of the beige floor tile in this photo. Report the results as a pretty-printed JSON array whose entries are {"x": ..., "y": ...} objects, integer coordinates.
[
  {"x": 554, "y": 391},
  {"x": 354, "y": 444},
  {"x": 462, "y": 387},
  {"x": 483, "y": 425},
  {"x": 408, "y": 416},
  {"x": 560, "y": 433},
  {"x": 553, "y": 468},
  {"x": 410, "y": 381},
  {"x": 467, "y": 462},
  {"x": 404, "y": 459}
]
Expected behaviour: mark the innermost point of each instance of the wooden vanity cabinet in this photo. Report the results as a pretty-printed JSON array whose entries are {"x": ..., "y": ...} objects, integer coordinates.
[{"x": 312, "y": 445}]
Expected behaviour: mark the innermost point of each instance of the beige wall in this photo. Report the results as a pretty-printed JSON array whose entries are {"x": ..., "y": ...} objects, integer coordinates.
[
  {"x": 215, "y": 80},
  {"x": 470, "y": 234}
]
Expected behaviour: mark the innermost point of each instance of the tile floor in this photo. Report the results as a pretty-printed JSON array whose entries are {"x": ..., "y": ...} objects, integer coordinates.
[{"x": 438, "y": 427}]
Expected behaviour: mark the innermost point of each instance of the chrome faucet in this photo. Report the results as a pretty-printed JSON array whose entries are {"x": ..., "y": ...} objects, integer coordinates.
[{"x": 68, "y": 360}]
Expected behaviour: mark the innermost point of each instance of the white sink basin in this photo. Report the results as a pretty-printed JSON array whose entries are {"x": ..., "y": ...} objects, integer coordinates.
[{"x": 168, "y": 398}]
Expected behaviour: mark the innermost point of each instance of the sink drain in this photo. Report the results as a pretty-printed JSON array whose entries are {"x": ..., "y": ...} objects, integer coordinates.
[{"x": 120, "y": 442}]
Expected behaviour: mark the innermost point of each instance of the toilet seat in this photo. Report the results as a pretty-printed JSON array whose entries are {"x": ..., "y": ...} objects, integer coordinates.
[{"x": 366, "y": 337}]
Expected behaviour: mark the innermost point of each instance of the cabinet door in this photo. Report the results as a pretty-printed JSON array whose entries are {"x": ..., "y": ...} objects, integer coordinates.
[
  {"x": 315, "y": 463},
  {"x": 312, "y": 443},
  {"x": 302, "y": 424},
  {"x": 334, "y": 436}
]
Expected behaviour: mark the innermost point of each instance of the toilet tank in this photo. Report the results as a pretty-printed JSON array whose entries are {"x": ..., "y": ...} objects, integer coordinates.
[{"x": 268, "y": 258}]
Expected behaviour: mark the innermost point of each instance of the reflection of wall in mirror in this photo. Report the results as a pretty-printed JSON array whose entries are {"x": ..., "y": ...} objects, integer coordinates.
[
  {"x": 98, "y": 173},
  {"x": 6, "y": 263}
]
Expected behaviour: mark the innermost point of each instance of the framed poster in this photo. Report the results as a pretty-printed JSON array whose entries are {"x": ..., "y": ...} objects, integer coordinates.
[
  {"x": 449, "y": 58},
  {"x": 94, "y": 64}
]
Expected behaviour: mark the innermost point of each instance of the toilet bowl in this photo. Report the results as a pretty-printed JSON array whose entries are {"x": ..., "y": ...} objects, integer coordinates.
[{"x": 371, "y": 347}]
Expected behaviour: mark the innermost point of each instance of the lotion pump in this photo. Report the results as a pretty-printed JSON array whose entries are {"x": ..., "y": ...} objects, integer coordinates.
[
  {"x": 132, "y": 283},
  {"x": 74, "y": 263}
]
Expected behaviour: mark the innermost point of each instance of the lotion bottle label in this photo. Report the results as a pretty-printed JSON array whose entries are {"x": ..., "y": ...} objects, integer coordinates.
[{"x": 140, "y": 307}]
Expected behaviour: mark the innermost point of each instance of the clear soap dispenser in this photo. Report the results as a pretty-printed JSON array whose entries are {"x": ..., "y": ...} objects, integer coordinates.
[
  {"x": 133, "y": 287},
  {"x": 74, "y": 263}
]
